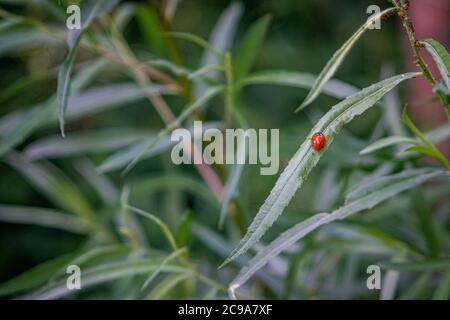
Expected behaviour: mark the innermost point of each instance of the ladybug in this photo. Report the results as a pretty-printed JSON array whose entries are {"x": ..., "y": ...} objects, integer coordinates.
[{"x": 318, "y": 141}]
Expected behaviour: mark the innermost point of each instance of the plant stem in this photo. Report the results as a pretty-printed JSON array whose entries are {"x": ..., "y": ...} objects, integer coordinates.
[{"x": 415, "y": 46}]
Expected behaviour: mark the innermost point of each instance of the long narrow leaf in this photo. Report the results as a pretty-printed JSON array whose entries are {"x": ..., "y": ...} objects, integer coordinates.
[
  {"x": 16, "y": 127},
  {"x": 398, "y": 184},
  {"x": 333, "y": 88},
  {"x": 250, "y": 47},
  {"x": 333, "y": 64},
  {"x": 387, "y": 142},
  {"x": 441, "y": 57},
  {"x": 89, "y": 12},
  {"x": 42, "y": 217},
  {"x": 306, "y": 158}
]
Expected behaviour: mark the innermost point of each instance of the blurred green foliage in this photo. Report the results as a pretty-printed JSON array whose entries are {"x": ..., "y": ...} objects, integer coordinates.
[{"x": 301, "y": 36}]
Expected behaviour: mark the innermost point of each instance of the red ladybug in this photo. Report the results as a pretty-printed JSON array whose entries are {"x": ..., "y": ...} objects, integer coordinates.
[{"x": 318, "y": 141}]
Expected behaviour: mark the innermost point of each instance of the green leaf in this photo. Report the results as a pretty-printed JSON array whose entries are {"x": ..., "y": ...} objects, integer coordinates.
[
  {"x": 100, "y": 141},
  {"x": 164, "y": 287},
  {"x": 439, "y": 134},
  {"x": 101, "y": 184},
  {"x": 42, "y": 217},
  {"x": 164, "y": 228},
  {"x": 184, "y": 229},
  {"x": 16, "y": 127},
  {"x": 377, "y": 195},
  {"x": 250, "y": 47},
  {"x": 20, "y": 85},
  {"x": 336, "y": 60},
  {"x": 438, "y": 264},
  {"x": 123, "y": 157},
  {"x": 387, "y": 240},
  {"x": 231, "y": 185},
  {"x": 221, "y": 37},
  {"x": 151, "y": 28},
  {"x": 306, "y": 158},
  {"x": 148, "y": 185},
  {"x": 425, "y": 219},
  {"x": 411, "y": 126},
  {"x": 63, "y": 83},
  {"x": 443, "y": 290},
  {"x": 91, "y": 9},
  {"x": 53, "y": 184},
  {"x": 432, "y": 152},
  {"x": 427, "y": 148},
  {"x": 14, "y": 39},
  {"x": 196, "y": 40},
  {"x": 36, "y": 276},
  {"x": 441, "y": 57},
  {"x": 181, "y": 71},
  {"x": 414, "y": 291},
  {"x": 333, "y": 88},
  {"x": 187, "y": 111},
  {"x": 370, "y": 185},
  {"x": 166, "y": 260},
  {"x": 103, "y": 273},
  {"x": 387, "y": 142}
]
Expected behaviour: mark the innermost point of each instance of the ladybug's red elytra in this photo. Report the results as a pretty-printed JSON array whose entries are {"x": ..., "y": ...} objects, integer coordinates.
[{"x": 318, "y": 141}]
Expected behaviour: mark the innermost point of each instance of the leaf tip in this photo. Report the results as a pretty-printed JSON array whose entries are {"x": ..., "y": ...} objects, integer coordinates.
[
  {"x": 232, "y": 291},
  {"x": 61, "y": 127},
  {"x": 227, "y": 261},
  {"x": 301, "y": 107}
]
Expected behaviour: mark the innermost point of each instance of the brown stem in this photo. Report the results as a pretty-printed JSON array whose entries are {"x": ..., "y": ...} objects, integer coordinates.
[{"x": 415, "y": 45}]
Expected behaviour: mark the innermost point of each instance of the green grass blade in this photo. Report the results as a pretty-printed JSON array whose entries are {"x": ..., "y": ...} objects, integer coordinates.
[
  {"x": 370, "y": 185},
  {"x": 221, "y": 37},
  {"x": 187, "y": 111},
  {"x": 426, "y": 148},
  {"x": 336, "y": 60},
  {"x": 101, "y": 274},
  {"x": 438, "y": 264},
  {"x": 166, "y": 260},
  {"x": 164, "y": 287},
  {"x": 425, "y": 218},
  {"x": 151, "y": 28},
  {"x": 184, "y": 229},
  {"x": 148, "y": 185},
  {"x": 164, "y": 228},
  {"x": 250, "y": 47},
  {"x": 306, "y": 158},
  {"x": 42, "y": 217},
  {"x": 53, "y": 184},
  {"x": 35, "y": 277},
  {"x": 443, "y": 290},
  {"x": 333, "y": 88},
  {"x": 15, "y": 128},
  {"x": 90, "y": 142},
  {"x": 387, "y": 142},
  {"x": 196, "y": 40},
  {"x": 91, "y": 9}
]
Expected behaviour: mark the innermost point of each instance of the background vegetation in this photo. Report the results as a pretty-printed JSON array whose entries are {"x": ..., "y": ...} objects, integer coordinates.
[{"x": 108, "y": 198}]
